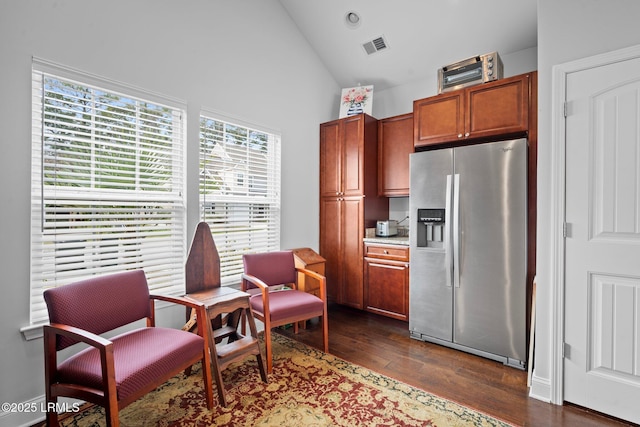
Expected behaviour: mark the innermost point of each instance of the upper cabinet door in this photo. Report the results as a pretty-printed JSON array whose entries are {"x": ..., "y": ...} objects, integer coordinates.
[
  {"x": 342, "y": 157},
  {"x": 498, "y": 108},
  {"x": 330, "y": 159},
  {"x": 353, "y": 156},
  {"x": 438, "y": 118},
  {"x": 395, "y": 144}
]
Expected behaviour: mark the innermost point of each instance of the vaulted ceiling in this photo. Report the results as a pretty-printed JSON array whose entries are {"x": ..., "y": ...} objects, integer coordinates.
[{"x": 420, "y": 36}]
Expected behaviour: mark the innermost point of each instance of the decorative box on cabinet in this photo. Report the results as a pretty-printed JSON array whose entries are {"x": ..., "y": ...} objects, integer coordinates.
[
  {"x": 395, "y": 144},
  {"x": 386, "y": 277},
  {"x": 499, "y": 108},
  {"x": 349, "y": 202}
]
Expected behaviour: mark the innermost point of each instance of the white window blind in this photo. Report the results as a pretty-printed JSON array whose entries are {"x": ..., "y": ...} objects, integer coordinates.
[
  {"x": 239, "y": 191},
  {"x": 107, "y": 184}
]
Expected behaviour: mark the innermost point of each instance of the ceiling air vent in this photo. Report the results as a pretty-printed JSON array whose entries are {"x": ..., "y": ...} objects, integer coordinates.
[{"x": 375, "y": 45}]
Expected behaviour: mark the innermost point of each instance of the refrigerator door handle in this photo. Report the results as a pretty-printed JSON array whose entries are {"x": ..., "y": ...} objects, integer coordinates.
[
  {"x": 456, "y": 231},
  {"x": 448, "y": 259}
]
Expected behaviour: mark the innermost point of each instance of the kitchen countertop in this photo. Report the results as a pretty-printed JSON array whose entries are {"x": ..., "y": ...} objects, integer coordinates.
[{"x": 393, "y": 240}]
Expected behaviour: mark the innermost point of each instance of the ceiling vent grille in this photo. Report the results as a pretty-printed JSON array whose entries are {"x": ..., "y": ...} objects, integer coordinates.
[{"x": 375, "y": 45}]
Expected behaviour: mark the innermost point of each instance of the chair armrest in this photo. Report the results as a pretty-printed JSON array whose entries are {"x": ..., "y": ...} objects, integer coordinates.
[
  {"x": 322, "y": 279},
  {"x": 311, "y": 273},
  {"x": 187, "y": 302},
  {"x": 264, "y": 289},
  {"x": 197, "y": 306},
  {"x": 77, "y": 334},
  {"x": 253, "y": 279},
  {"x": 102, "y": 345}
]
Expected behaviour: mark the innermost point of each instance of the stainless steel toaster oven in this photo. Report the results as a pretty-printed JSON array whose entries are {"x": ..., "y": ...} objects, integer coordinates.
[{"x": 472, "y": 71}]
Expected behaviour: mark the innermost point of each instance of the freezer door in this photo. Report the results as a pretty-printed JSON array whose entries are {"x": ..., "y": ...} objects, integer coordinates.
[
  {"x": 490, "y": 301},
  {"x": 430, "y": 291}
]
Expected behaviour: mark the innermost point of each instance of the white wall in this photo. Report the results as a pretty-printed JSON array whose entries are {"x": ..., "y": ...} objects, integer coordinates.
[
  {"x": 567, "y": 30},
  {"x": 245, "y": 59}
]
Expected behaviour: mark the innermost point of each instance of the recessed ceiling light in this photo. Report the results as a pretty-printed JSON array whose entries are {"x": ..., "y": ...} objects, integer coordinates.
[{"x": 352, "y": 19}]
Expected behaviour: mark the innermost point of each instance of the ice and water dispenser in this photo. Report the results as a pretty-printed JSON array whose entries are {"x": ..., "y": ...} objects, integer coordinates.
[{"x": 431, "y": 228}]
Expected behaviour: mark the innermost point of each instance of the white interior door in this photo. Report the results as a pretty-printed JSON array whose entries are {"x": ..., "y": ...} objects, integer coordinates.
[{"x": 602, "y": 264}]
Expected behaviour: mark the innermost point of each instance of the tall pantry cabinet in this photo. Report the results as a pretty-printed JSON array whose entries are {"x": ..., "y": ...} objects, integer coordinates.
[{"x": 349, "y": 202}]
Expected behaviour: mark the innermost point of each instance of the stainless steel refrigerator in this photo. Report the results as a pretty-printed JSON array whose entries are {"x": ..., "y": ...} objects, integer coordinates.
[{"x": 468, "y": 249}]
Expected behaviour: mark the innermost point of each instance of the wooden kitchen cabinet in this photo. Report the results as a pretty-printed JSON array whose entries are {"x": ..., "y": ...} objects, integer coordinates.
[
  {"x": 438, "y": 119},
  {"x": 341, "y": 222},
  {"x": 498, "y": 108},
  {"x": 331, "y": 244},
  {"x": 344, "y": 148},
  {"x": 330, "y": 159},
  {"x": 386, "y": 280},
  {"x": 395, "y": 144},
  {"x": 349, "y": 202},
  {"x": 351, "y": 280}
]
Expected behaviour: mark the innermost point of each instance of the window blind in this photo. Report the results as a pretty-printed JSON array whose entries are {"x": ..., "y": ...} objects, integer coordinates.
[
  {"x": 239, "y": 191},
  {"x": 107, "y": 185}
]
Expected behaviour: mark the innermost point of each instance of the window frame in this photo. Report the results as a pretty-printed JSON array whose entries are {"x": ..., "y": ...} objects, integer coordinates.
[
  {"x": 166, "y": 277},
  {"x": 260, "y": 200}
]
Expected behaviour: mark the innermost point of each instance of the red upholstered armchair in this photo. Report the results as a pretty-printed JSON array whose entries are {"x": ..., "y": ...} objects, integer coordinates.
[
  {"x": 266, "y": 272},
  {"x": 115, "y": 372}
]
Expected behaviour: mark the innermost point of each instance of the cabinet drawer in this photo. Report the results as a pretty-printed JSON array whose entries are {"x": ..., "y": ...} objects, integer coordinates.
[{"x": 391, "y": 252}]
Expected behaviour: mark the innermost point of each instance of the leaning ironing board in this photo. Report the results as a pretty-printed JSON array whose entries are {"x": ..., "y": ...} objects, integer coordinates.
[{"x": 225, "y": 307}]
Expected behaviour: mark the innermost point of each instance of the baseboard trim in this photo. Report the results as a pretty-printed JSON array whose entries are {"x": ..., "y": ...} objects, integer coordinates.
[{"x": 540, "y": 388}]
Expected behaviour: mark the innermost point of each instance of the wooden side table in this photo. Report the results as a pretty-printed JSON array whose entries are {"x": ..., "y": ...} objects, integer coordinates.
[
  {"x": 226, "y": 343},
  {"x": 311, "y": 260}
]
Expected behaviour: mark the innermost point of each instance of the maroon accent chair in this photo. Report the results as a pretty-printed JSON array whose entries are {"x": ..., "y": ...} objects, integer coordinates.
[
  {"x": 115, "y": 372},
  {"x": 263, "y": 274}
]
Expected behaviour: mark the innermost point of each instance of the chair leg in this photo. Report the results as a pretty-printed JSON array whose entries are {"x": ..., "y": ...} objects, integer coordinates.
[
  {"x": 112, "y": 416},
  {"x": 111, "y": 407},
  {"x": 50, "y": 367},
  {"x": 254, "y": 334},
  {"x": 325, "y": 332},
  {"x": 267, "y": 345},
  {"x": 206, "y": 377},
  {"x": 52, "y": 414},
  {"x": 214, "y": 367},
  {"x": 263, "y": 371},
  {"x": 222, "y": 398},
  {"x": 243, "y": 323}
]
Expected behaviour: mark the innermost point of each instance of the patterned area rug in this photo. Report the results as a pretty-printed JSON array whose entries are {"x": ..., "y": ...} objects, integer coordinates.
[{"x": 307, "y": 388}]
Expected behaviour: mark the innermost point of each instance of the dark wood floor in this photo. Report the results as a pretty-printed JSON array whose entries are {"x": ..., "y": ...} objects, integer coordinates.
[{"x": 383, "y": 345}]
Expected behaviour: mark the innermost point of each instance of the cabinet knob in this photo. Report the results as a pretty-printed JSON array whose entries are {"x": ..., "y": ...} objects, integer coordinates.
[
  {"x": 466, "y": 135},
  {"x": 459, "y": 135},
  {"x": 386, "y": 252}
]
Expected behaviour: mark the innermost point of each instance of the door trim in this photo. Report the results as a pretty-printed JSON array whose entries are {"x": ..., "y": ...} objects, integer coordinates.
[{"x": 557, "y": 203}]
